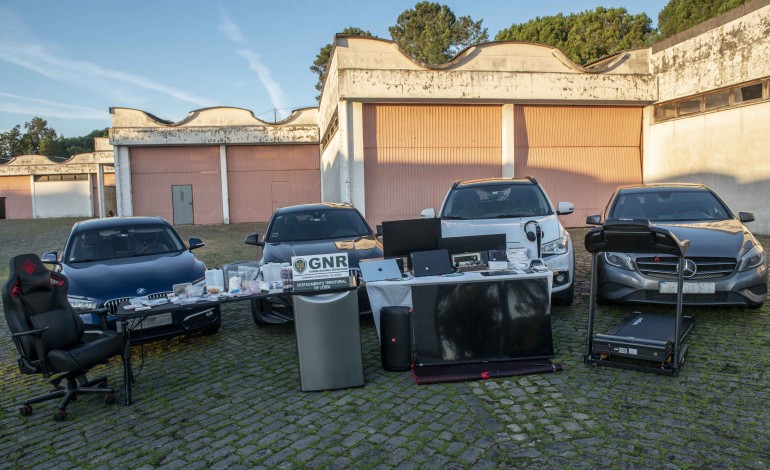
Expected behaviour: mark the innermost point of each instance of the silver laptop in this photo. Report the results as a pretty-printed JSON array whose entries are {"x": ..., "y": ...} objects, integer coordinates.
[{"x": 379, "y": 270}]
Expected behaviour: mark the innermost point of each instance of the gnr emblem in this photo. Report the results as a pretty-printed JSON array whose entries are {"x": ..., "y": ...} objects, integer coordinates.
[{"x": 300, "y": 265}]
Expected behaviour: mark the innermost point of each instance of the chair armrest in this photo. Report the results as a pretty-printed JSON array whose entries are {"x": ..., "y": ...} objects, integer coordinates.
[
  {"x": 102, "y": 312},
  {"x": 39, "y": 348},
  {"x": 38, "y": 332}
]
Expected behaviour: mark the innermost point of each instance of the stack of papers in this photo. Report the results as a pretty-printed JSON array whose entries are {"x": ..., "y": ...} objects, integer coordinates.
[{"x": 517, "y": 258}]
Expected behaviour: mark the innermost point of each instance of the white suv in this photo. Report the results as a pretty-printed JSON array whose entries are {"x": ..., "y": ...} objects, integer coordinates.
[{"x": 519, "y": 208}]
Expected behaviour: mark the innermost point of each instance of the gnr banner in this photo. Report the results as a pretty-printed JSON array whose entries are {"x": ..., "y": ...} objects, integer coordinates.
[{"x": 316, "y": 273}]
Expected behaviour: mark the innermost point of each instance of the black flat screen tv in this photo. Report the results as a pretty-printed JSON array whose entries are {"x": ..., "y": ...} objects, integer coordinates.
[
  {"x": 402, "y": 237},
  {"x": 472, "y": 322}
]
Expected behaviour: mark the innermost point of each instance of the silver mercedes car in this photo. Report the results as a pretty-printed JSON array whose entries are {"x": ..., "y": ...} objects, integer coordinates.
[{"x": 725, "y": 265}]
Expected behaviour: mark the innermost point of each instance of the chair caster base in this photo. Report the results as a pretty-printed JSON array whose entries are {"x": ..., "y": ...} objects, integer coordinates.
[{"x": 60, "y": 415}]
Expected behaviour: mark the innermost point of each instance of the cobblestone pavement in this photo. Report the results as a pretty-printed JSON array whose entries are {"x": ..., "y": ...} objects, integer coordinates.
[{"x": 232, "y": 400}]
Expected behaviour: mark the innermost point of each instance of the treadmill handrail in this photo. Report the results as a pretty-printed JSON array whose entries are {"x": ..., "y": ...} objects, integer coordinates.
[{"x": 634, "y": 236}]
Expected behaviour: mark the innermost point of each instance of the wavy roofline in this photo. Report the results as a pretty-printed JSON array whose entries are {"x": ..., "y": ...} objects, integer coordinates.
[
  {"x": 602, "y": 65},
  {"x": 192, "y": 115}
]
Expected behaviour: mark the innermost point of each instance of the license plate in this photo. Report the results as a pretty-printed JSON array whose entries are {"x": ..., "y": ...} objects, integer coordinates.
[
  {"x": 688, "y": 288},
  {"x": 148, "y": 322}
]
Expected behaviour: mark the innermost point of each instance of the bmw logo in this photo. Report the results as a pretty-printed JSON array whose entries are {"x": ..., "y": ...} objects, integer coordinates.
[{"x": 141, "y": 291}]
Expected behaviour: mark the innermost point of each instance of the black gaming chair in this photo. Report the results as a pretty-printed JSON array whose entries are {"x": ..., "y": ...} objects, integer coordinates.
[{"x": 48, "y": 334}]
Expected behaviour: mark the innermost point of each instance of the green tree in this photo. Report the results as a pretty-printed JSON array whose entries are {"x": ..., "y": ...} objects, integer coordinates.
[
  {"x": 83, "y": 144},
  {"x": 321, "y": 64},
  {"x": 432, "y": 34},
  {"x": 587, "y": 36},
  {"x": 679, "y": 15},
  {"x": 10, "y": 143},
  {"x": 39, "y": 139}
]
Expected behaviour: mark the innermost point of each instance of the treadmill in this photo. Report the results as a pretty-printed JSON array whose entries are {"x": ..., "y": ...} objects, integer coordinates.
[{"x": 645, "y": 342}]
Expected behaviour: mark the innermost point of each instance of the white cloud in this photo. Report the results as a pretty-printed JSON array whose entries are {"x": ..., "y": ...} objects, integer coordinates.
[
  {"x": 67, "y": 112},
  {"x": 228, "y": 28},
  {"x": 264, "y": 74},
  {"x": 77, "y": 72},
  {"x": 38, "y": 107}
]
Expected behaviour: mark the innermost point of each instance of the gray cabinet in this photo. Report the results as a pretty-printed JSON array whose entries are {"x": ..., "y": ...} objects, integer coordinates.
[{"x": 328, "y": 340}]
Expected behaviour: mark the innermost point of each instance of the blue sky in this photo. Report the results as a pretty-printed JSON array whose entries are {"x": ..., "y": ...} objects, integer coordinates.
[{"x": 69, "y": 62}]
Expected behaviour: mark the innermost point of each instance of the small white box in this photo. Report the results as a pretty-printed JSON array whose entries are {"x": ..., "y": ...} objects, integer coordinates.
[{"x": 497, "y": 265}]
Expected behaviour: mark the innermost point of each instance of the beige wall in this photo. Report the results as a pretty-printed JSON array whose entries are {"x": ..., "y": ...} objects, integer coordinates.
[
  {"x": 727, "y": 151},
  {"x": 728, "y": 54}
]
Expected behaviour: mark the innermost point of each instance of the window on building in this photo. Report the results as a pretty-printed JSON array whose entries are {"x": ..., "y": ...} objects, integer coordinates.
[
  {"x": 689, "y": 106},
  {"x": 748, "y": 93},
  {"x": 717, "y": 100},
  {"x": 665, "y": 111},
  {"x": 73, "y": 177}
]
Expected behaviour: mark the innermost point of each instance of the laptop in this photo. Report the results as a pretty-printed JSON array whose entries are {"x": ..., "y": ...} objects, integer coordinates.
[
  {"x": 379, "y": 270},
  {"x": 431, "y": 263}
]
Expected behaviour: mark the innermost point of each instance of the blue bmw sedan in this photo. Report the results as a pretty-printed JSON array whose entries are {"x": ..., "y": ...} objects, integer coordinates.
[{"x": 111, "y": 260}]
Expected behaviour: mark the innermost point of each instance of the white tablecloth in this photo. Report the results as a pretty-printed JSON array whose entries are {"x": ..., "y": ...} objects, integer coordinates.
[{"x": 399, "y": 292}]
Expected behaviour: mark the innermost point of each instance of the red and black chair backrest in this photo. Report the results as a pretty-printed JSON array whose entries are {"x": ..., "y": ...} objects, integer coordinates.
[{"x": 33, "y": 298}]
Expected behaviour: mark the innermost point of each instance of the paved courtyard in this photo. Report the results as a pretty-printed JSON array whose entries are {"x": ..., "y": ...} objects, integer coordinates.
[{"x": 233, "y": 400}]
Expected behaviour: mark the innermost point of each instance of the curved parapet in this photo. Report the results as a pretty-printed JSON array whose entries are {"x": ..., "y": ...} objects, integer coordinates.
[
  {"x": 503, "y": 56},
  {"x": 216, "y": 116},
  {"x": 42, "y": 165},
  {"x": 212, "y": 126},
  {"x": 363, "y": 68}
]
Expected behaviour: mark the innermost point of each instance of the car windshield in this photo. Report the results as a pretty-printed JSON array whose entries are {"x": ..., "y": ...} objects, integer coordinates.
[
  {"x": 667, "y": 205},
  {"x": 496, "y": 201},
  {"x": 317, "y": 225},
  {"x": 122, "y": 242}
]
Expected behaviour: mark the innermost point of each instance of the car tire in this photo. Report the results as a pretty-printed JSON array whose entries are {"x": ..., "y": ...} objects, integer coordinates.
[
  {"x": 756, "y": 306},
  {"x": 565, "y": 297},
  {"x": 210, "y": 330}
]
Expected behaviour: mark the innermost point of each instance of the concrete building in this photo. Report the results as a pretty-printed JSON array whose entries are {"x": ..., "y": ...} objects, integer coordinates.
[
  {"x": 33, "y": 186},
  {"x": 390, "y": 135},
  {"x": 218, "y": 165}
]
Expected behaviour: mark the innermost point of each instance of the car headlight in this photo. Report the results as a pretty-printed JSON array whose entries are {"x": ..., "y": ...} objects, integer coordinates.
[
  {"x": 753, "y": 258},
  {"x": 556, "y": 247},
  {"x": 82, "y": 304},
  {"x": 619, "y": 260}
]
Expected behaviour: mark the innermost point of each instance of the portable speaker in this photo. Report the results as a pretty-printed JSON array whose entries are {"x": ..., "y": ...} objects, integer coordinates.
[{"x": 396, "y": 338}]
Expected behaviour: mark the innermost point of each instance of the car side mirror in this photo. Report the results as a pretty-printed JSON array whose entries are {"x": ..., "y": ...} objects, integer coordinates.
[
  {"x": 52, "y": 257},
  {"x": 594, "y": 220},
  {"x": 746, "y": 217},
  {"x": 379, "y": 230},
  {"x": 564, "y": 208},
  {"x": 253, "y": 239},
  {"x": 196, "y": 243},
  {"x": 428, "y": 213}
]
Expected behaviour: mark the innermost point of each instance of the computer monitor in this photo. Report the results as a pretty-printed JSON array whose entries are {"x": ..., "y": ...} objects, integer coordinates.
[
  {"x": 473, "y": 243},
  {"x": 402, "y": 237}
]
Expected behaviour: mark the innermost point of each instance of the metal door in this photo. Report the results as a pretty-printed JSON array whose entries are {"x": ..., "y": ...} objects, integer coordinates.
[
  {"x": 182, "y": 201},
  {"x": 2, "y": 208}
]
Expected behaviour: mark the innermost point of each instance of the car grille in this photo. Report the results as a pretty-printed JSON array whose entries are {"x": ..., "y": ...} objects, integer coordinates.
[
  {"x": 732, "y": 298},
  {"x": 113, "y": 304},
  {"x": 665, "y": 267}
]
